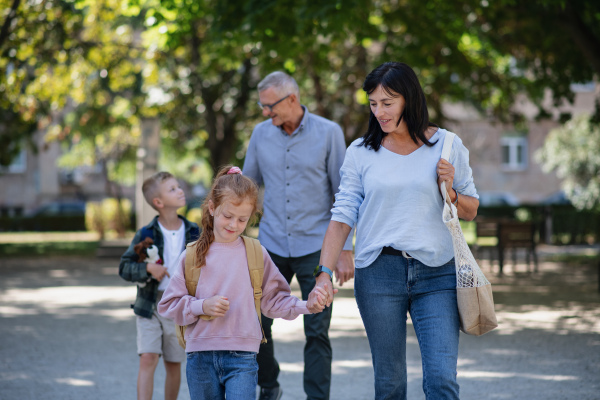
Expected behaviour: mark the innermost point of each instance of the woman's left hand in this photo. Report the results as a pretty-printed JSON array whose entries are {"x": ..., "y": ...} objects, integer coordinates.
[{"x": 445, "y": 172}]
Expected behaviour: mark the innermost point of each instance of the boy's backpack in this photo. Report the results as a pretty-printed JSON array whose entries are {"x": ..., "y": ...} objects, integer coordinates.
[{"x": 256, "y": 267}]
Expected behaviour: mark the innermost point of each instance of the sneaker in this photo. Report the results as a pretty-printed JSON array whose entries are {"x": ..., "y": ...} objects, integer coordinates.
[{"x": 270, "y": 394}]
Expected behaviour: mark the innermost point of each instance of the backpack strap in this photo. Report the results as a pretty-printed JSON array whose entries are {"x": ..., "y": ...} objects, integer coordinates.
[
  {"x": 192, "y": 273},
  {"x": 256, "y": 268}
]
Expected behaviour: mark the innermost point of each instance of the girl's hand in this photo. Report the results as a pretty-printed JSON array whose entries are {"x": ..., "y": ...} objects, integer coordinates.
[
  {"x": 215, "y": 306},
  {"x": 445, "y": 172},
  {"x": 317, "y": 299}
]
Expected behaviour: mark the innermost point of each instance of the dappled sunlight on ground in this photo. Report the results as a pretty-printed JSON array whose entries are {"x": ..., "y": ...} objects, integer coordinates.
[
  {"x": 66, "y": 301},
  {"x": 512, "y": 375},
  {"x": 573, "y": 319},
  {"x": 74, "y": 382},
  {"x": 66, "y": 324}
]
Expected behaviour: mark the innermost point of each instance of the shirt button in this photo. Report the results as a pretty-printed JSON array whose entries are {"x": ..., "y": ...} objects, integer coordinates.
[
  {"x": 288, "y": 167},
  {"x": 289, "y": 234},
  {"x": 288, "y": 150},
  {"x": 288, "y": 217},
  {"x": 288, "y": 201},
  {"x": 288, "y": 184}
]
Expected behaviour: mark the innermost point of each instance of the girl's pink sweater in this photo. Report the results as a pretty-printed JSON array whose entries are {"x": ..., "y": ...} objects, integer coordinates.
[{"x": 226, "y": 274}]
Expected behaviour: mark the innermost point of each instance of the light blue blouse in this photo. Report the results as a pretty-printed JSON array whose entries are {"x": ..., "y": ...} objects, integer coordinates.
[{"x": 394, "y": 200}]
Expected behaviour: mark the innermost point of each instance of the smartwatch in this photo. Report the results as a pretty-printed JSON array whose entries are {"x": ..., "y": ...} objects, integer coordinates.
[{"x": 322, "y": 268}]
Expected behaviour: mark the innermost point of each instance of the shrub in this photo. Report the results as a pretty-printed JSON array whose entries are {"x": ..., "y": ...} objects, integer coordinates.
[
  {"x": 194, "y": 215},
  {"x": 109, "y": 214}
]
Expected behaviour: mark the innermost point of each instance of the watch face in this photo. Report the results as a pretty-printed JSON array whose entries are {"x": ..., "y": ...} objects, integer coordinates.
[{"x": 317, "y": 270}]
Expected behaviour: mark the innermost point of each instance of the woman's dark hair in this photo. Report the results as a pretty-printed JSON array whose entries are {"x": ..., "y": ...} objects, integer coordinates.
[{"x": 398, "y": 79}]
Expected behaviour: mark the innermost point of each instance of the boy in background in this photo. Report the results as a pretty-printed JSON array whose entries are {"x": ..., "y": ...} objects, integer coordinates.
[{"x": 155, "y": 334}]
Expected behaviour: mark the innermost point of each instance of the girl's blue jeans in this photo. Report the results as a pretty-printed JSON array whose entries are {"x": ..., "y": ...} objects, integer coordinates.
[
  {"x": 385, "y": 291},
  {"x": 213, "y": 375}
]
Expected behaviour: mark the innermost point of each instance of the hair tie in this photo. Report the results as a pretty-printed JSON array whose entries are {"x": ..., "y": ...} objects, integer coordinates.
[{"x": 234, "y": 170}]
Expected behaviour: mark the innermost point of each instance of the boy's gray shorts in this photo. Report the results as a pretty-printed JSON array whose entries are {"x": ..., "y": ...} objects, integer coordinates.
[{"x": 157, "y": 335}]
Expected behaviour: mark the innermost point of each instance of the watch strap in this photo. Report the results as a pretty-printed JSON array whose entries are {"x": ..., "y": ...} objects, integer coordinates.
[{"x": 322, "y": 268}]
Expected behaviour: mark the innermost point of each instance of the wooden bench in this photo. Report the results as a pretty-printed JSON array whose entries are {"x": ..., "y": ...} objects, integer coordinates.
[
  {"x": 503, "y": 234},
  {"x": 514, "y": 235},
  {"x": 486, "y": 237}
]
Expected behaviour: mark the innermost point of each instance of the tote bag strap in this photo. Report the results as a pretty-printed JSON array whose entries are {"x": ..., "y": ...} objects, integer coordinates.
[{"x": 448, "y": 140}]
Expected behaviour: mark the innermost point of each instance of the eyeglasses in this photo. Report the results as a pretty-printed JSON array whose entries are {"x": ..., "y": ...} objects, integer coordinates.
[{"x": 270, "y": 106}]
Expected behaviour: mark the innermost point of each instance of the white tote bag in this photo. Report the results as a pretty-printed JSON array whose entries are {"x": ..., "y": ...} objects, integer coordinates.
[{"x": 473, "y": 290}]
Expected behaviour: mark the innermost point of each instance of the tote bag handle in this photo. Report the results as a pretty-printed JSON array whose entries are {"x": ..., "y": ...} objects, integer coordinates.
[{"x": 448, "y": 140}]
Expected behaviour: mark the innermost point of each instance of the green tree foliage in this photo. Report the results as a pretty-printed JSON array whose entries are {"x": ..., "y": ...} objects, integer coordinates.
[
  {"x": 552, "y": 43},
  {"x": 572, "y": 150},
  {"x": 35, "y": 39},
  {"x": 89, "y": 70}
]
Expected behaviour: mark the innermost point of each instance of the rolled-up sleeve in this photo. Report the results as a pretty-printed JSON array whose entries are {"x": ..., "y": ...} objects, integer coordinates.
[
  {"x": 351, "y": 193},
  {"x": 335, "y": 162},
  {"x": 463, "y": 174}
]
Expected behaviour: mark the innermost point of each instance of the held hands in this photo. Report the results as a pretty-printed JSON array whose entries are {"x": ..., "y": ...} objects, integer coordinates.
[
  {"x": 157, "y": 271},
  {"x": 323, "y": 291},
  {"x": 317, "y": 300},
  {"x": 445, "y": 172},
  {"x": 215, "y": 306}
]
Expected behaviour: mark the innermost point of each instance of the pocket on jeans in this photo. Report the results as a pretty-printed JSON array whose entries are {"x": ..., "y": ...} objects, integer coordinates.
[{"x": 244, "y": 354}]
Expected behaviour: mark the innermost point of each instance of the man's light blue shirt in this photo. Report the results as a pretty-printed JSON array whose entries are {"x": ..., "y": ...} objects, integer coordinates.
[
  {"x": 394, "y": 200},
  {"x": 301, "y": 174}
]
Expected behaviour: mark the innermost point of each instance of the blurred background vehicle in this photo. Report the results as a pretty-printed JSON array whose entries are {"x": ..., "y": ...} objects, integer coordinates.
[
  {"x": 66, "y": 215},
  {"x": 491, "y": 199}
]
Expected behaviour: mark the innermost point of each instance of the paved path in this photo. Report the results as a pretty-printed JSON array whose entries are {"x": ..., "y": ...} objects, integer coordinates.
[{"x": 68, "y": 333}]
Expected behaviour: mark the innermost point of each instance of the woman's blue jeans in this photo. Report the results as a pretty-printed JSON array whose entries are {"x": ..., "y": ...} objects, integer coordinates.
[
  {"x": 385, "y": 291},
  {"x": 213, "y": 375}
]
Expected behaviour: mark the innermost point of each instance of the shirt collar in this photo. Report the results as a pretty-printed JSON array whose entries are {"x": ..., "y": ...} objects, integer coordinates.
[{"x": 302, "y": 123}]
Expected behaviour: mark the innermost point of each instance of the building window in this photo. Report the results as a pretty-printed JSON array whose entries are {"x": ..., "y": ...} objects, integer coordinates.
[
  {"x": 514, "y": 153},
  {"x": 18, "y": 165}
]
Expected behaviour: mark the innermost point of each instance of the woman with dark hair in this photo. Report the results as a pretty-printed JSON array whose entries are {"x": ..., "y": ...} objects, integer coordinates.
[{"x": 404, "y": 255}]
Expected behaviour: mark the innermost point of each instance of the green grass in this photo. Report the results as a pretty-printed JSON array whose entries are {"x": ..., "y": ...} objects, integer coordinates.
[
  {"x": 575, "y": 258},
  {"x": 48, "y": 249},
  {"x": 19, "y": 244}
]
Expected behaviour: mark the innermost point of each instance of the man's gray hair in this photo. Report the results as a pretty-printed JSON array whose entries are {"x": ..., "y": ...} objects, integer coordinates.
[{"x": 281, "y": 82}]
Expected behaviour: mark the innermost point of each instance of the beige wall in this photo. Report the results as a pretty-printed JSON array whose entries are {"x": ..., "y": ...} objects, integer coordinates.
[
  {"x": 483, "y": 139},
  {"x": 41, "y": 181},
  {"x": 530, "y": 185}
]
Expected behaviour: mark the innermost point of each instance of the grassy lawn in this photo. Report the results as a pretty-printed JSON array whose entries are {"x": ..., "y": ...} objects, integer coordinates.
[
  {"x": 43, "y": 237},
  {"x": 575, "y": 259},
  {"x": 16, "y": 244},
  {"x": 80, "y": 248}
]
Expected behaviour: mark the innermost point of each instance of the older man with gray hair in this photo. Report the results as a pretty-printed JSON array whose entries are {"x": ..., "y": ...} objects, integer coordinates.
[{"x": 297, "y": 156}]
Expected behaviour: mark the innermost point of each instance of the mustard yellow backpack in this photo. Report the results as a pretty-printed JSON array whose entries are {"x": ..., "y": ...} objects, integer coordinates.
[{"x": 256, "y": 267}]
